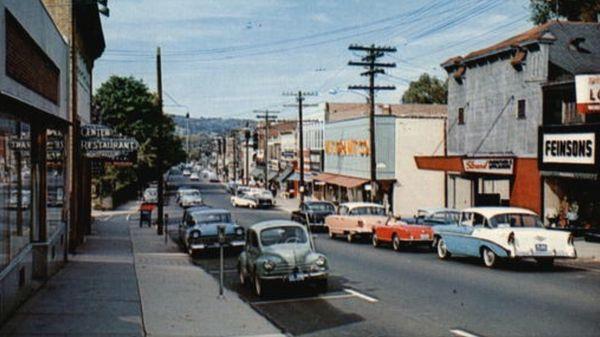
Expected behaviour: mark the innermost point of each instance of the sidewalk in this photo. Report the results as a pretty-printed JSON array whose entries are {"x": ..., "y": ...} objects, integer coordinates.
[{"x": 125, "y": 281}]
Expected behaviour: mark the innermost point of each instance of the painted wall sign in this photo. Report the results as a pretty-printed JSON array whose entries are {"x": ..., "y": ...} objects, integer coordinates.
[
  {"x": 587, "y": 88},
  {"x": 569, "y": 148},
  {"x": 347, "y": 147},
  {"x": 503, "y": 166}
]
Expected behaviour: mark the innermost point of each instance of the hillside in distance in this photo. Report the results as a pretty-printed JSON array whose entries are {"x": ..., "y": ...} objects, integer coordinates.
[{"x": 217, "y": 126}]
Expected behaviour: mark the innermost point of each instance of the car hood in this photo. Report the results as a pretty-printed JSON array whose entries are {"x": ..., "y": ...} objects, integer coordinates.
[
  {"x": 212, "y": 228},
  {"x": 292, "y": 253}
]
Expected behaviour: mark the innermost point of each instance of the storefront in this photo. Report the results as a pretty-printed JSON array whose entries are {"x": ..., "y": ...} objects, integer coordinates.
[
  {"x": 569, "y": 162},
  {"x": 33, "y": 124},
  {"x": 487, "y": 180}
]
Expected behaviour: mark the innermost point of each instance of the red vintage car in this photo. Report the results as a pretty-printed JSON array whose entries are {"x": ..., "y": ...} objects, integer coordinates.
[{"x": 401, "y": 234}]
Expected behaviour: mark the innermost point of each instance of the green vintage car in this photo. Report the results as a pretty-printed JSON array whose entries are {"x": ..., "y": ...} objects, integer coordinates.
[{"x": 280, "y": 251}]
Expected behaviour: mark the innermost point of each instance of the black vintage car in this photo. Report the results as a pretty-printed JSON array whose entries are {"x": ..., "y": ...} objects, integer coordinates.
[{"x": 313, "y": 213}]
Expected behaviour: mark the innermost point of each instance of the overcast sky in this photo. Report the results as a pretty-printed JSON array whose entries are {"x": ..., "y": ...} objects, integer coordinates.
[{"x": 225, "y": 58}]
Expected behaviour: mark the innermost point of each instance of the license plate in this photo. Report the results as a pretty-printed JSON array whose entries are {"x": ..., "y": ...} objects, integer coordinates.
[
  {"x": 541, "y": 247},
  {"x": 296, "y": 277},
  {"x": 424, "y": 236}
]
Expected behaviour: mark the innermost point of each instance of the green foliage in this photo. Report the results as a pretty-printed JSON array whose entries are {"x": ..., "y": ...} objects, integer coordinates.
[
  {"x": 573, "y": 10},
  {"x": 131, "y": 109},
  {"x": 426, "y": 90}
]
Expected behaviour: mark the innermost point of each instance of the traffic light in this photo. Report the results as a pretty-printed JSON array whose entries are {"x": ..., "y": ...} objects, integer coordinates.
[{"x": 255, "y": 140}]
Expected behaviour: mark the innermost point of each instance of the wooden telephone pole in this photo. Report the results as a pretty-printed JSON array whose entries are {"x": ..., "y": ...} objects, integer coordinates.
[
  {"x": 300, "y": 96},
  {"x": 268, "y": 115},
  {"x": 373, "y": 68},
  {"x": 161, "y": 180}
]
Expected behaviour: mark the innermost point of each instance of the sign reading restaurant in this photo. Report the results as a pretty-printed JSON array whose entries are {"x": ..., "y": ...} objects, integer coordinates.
[
  {"x": 571, "y": 148},
  {"x": 587, "y": 89},
  {"x": 502, "y": 166}
]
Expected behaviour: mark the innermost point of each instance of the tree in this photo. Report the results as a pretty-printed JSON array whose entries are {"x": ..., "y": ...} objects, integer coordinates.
[
  {"x": 127, "y": 106},
  {"x": 573, "y": 10},
  {"x": 426, "y": 90}
]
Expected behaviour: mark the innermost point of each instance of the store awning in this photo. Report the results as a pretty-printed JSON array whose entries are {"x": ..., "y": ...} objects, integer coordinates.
[
  {"x": 440, "y": 163},
  {"x": 340, "y": 180},
  {"x": 284, "y": 175}
]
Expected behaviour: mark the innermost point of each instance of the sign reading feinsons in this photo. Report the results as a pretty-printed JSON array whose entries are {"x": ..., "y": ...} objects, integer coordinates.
[{"x": 569, "y": 148}]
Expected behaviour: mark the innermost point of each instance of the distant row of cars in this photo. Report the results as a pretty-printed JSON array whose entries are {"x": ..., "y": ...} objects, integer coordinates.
[
  {"x": 251, "y": 197},
  {"x": 490, "y": 233}
]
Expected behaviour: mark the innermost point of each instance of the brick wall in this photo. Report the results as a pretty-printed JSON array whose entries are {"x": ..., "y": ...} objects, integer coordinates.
[{"x": 27, "y": 63}]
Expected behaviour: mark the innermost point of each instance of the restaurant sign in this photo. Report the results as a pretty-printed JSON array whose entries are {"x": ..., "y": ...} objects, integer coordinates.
[
  {"x": 103, "y": 143},
  {"x": 587, "y": 88},
  {"x": 502, "y": 166}
]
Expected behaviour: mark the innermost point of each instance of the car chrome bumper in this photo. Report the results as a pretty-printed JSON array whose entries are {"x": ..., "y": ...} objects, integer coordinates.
[
  {"x": 549, "y": 254},
  {"x": 214, "y": 245},
  {"x": 310, "y": 276}
]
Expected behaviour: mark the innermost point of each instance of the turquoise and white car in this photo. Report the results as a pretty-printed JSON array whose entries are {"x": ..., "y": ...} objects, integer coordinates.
[{"x": 502, "y": 233}]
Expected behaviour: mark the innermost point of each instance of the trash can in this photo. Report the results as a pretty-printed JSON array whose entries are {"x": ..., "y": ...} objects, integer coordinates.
[{"x": 146, "y": 214}]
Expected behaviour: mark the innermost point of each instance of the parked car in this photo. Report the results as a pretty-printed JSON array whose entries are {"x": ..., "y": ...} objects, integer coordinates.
[
  {"x": 437, "y": 216},
  {"x": 400, "y": 234},
  {"x": 503, "y": 233},
  {"x": 231, "y": 187},
  {"x": 592, "y": 235},
  {"x": 244, "y": 199},
  {"x": 151, "y": 195},
  {"x": 194, "y": 177},
  {"x": 263, "y": 197},
  {"x": 313, "y": 213},
  {"x": 191, "y": 199},
  {"x": 187, "y": 172},
  {"x": 355, "y": 219},
  {"x": 199, "y": 230},
  {"x": 281, "y": 251},
  {"x": 185, "y": 191}
]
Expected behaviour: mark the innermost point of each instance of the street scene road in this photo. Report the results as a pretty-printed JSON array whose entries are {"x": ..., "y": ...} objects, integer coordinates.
[{"x": 379, "y": 292}]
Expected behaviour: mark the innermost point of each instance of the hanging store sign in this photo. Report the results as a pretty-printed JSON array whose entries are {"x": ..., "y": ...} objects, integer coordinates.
[
  {"x": 587, "y": 88},
  {"x": 502, "y": 166},
  {"x": 100, "y": 142},
  {"x": 570, "y": 148}
]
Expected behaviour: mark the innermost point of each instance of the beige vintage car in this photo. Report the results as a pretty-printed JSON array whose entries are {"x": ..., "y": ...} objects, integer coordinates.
[{"x": 355, "y": 219}]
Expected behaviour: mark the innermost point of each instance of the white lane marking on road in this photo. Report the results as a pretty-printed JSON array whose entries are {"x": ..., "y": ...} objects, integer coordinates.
[
  {"x": 462, "y": 333},
  {"x": 302, "y": 299},
  {"x": 361, "y": 295}
]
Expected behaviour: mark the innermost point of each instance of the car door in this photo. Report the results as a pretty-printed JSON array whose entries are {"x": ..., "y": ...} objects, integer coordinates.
[
  {"x": 464, "y": 230},
  {"x": 183, "y": 226}
]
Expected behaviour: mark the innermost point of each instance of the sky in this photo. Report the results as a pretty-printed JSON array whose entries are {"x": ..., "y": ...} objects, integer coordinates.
[{"x": 227, "y": 58}]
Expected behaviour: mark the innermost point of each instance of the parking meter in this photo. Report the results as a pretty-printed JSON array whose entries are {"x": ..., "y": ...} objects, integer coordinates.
[{"x": 221, "y": 236}]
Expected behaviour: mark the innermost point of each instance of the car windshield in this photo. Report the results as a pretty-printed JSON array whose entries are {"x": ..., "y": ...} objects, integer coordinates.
[
  {"x": 282, "y": 235},
  {"x": 321, "y": 207},
  {"x": 211, "y": 218},
  {"x": 190, "y": 193},
  {"x": 368, "y": 210},
  {"x": 515, "y": 220}
]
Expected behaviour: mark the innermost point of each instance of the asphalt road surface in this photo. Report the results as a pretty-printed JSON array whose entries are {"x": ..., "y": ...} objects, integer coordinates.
[{"x": 378, "y": 292}]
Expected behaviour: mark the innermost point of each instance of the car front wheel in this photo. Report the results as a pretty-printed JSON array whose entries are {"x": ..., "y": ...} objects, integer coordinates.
[
  {"x": 349, "y": 237},
  {"x": 259, "y": 286},
  {"x": 396, "y": 244},
  {"x": 489, "y": 257},
  {"x": 442, "y": 250},
  {"x": 321, "y": 285},
  {"x": 241, "y": 276},
  {"x": 375, "y": 240}
]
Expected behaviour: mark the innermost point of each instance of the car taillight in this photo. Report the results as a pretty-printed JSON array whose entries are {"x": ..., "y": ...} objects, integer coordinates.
[
  {"x": 571, "y": 239},
  {"x": 361, "y": 223},
  {"x": 511, "y": 238}
]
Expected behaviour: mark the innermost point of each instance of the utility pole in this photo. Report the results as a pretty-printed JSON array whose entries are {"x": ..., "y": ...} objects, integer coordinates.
[
  {"x": 246, "y": 173},
  {"x": 161, "y": 181},
  {"x": 235, "y": 154},
  {"x": 268, "y": 115},
  {"x": 300, "y": 96},
  {"x": 373, "y": 68},
  {"x": 187, "y": 137},
  {"x": 218, "y": 140},
  {"x": 224, "y": 157}
]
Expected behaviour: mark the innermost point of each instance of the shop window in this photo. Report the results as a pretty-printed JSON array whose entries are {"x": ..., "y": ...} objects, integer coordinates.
[
  {"x": 461, "y": 116},
  {"x": 55, "y": 180},
  {"x": 521, "y": 109},
  {"x": 15, "y": 188}
]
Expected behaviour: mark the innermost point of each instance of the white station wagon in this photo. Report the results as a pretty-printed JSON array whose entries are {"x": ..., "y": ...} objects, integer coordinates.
[{"x": 509, "y": 233}]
